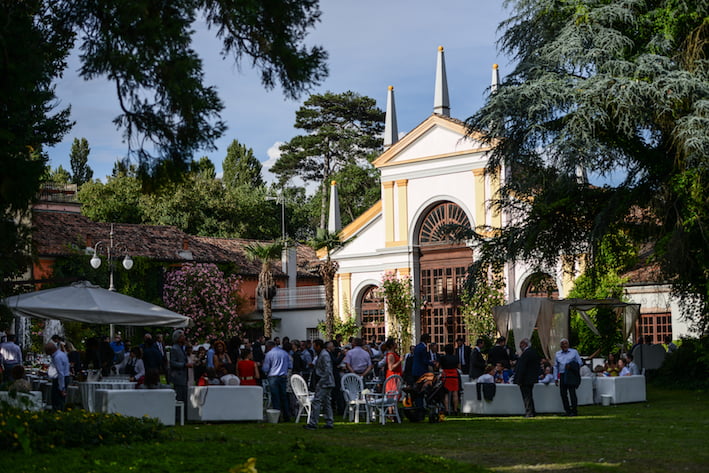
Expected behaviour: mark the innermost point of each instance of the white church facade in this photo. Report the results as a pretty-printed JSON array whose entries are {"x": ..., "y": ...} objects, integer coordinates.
[{"x": 432, "y": 177}]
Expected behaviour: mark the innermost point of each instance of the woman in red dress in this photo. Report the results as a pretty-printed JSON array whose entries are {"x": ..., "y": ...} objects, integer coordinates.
[
  {"x": 393, "y": 363},
  {"x": 451, "y": 377},
  {"x": 248, "y": 371}
]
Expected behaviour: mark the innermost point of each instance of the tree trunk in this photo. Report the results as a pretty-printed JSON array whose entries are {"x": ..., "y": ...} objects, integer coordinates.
[
  {"x": 267, "y": 318},
  {"x": 327, "y": 271}
]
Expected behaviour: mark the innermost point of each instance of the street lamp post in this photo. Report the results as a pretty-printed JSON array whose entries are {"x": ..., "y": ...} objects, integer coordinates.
[
  {"x": 110, "y": 250},
  {"x": 110, "y": 253},
  {"x": 281, "y": 200}
]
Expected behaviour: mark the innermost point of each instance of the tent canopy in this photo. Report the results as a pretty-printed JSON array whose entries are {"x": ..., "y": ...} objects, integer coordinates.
[
  {"x": 551, "y": 317},
  {"x": 85, "y": 302}
]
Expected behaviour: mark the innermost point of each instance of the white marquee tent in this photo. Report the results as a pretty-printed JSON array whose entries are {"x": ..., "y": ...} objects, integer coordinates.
[{"x": 551, "y": 317}]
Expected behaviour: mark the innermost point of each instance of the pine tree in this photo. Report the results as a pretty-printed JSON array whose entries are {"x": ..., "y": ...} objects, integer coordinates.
[
  {"x": 241, "y": 168},
  {"x": 79, "y": 160}
]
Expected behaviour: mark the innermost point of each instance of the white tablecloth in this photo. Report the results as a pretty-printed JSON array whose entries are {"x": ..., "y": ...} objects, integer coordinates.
[
  {"x": 508, "y": 399},
  {"x": 88, "y": 391}
]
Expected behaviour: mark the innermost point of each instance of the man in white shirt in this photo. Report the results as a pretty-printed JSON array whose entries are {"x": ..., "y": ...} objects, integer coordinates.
[
  {"x": 632, "y": 367},
  {"x": 10, "y": 355},
  {"x": 567, "y": 367}
]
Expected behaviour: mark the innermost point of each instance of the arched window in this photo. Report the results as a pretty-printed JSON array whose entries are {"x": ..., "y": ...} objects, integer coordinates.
[
  {"x": 444, "y": 261},
  {"x": 540, "y": 285},
  {"x": 433, "y": 228},
  {"x": 371, "y": 313}
]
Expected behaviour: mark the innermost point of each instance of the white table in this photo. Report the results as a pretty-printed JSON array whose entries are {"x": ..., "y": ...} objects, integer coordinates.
[
  {"x": 508, "y": 399},
  {"x": 224, "y": 403},
  {"x": 621, "y": 389},
  {"x": 88, "y": 391},
  {"x": 155, "y": 403}
]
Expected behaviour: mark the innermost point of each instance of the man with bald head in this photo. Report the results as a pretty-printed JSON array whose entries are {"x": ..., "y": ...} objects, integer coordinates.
[{"x": 59, "y": 384}]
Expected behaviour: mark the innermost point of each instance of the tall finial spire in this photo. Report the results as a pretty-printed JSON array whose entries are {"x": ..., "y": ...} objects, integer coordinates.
[
  {"x": 334, "y": 222},
  {"x": 495, "y": 79},
  {"x": 441, "y": 103},
  {"x": 391, "y": 132}
]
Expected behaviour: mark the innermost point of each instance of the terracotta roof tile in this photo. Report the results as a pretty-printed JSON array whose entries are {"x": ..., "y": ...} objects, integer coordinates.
[{"x": 64, "y": 233}]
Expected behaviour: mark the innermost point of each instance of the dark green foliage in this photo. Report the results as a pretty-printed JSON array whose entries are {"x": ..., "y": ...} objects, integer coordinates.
[
  {"x": 341, "y": 130},
  {"x": 241, "y": 168},
  {"x": 60, "y": 175},
  {"x": 612, "y": 88},
  {"x": 143, "y": 47},
  {"x": 46, "y": 430},
  {"x": 33, "y": 50},
  {"x": 79, "y": 159},
  {"x": 687, "y": 367}
]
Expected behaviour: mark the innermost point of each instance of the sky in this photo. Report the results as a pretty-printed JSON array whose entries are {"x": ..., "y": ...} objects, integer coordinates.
[{"x": 371, "y": 45}]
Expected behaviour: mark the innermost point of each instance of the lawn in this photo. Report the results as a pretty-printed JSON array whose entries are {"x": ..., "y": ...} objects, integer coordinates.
[{"x": 668, "y": 433}]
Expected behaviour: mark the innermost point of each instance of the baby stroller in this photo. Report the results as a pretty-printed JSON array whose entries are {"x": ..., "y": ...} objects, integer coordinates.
[{"x": 425, "y": 399}]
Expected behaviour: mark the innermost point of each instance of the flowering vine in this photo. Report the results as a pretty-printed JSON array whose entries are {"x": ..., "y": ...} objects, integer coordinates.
[
  {"x": 397, "y": 292},
  {"x": 203, "y": 293}
]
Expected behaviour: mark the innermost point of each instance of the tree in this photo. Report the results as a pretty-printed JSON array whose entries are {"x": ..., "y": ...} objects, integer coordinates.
[
  {"x": 144, "y": 48},
  {"x": 266, "y": 253},
  {"x": 340, "y": 130},
  {"x": 328, "y": 269},
  {"x": 33, "y": 51},
  {"x": 79, "y": 159},
  {"x": 608, "y": 87},
  {"x": 241, "y": 168},
  {"x": 357, "y": 188},
  {"x": 206, "y": 295},
  {"x": 119, "y": 200},
  {"x": 60, "y": 175}
]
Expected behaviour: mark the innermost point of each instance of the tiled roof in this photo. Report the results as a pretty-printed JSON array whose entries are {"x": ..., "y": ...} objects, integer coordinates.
[{"x": 65, "y": 233}]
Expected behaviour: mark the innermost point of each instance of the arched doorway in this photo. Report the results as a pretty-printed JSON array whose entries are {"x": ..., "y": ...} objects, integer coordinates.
[
  {"x": 540, "y": 285},
  {"x": 443, "y": 266},
  {"x": 371, "y": 314}
]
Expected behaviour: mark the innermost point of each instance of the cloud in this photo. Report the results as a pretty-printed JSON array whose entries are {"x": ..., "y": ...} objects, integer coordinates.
[{"x": 273, "y": 153}]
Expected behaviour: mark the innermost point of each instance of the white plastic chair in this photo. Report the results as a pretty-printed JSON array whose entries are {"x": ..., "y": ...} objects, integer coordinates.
[
  {"x": 352, "y": 387},
  {"x": 386, "y": 403},
  {"x": 304, "y": 398}
]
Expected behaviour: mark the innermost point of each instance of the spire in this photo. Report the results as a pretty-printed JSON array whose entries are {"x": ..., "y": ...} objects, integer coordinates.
[
  {"x": 495, "y": 79},
  {"x": 441, "y": 104},
  {"x": 334, "y": 222},
  {"x": 391, "y": 132}
]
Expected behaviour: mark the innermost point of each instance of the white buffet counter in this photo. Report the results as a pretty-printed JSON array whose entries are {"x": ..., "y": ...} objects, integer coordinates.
[
  {"x": 156, "y": 403},
  {"x": 508, "y": 399},
  {"x": 621, "y": 389},
  {"x": 225, "y": 403}
]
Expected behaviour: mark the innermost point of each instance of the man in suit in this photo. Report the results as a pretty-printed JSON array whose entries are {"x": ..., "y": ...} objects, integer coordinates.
[
  {"x": 434, "y": 357},
  {"x": 421, "y": 359},
  {"x": 527, "y": 375},
  {"x": 477, "y": 360},
  {"x": 179, "y": 365},
  {"x": 462, "y": 352}
]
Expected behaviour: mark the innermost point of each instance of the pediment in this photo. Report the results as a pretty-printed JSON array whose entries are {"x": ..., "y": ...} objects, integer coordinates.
[{"x": 436, "y": 137}]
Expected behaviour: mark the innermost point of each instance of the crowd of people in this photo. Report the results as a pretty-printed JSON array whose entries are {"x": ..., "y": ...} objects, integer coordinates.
[{"x": 271, "y": 362}]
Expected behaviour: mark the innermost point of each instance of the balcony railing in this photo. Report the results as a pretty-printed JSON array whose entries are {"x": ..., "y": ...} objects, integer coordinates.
[
  {"x": 54, "y": 192},
  {"x": 307, "y": 297}
]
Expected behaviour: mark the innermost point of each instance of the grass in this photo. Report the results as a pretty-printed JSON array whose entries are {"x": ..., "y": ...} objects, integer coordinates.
[{"x": 668, "y": 433}]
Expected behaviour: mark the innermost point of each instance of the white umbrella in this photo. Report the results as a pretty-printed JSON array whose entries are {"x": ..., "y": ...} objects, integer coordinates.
[{"x": 85, "y": 302}]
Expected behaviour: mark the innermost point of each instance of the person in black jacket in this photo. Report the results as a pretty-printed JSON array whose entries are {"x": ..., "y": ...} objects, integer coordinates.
[
  {"x": 477, "y": 360},
  {"x": 527, "y": 374},
  {"x": 499, "y": 354}
]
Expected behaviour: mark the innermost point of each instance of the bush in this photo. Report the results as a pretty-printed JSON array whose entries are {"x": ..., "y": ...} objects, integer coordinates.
[
  {"x": 42, "y": 431},
  {"x": 686, "y": 367}
]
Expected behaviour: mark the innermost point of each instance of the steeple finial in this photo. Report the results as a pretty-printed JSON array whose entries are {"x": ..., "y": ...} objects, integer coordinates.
[
  {"x": 495, "y": 79},
  {"x": 334, "y": 222},
  {"x": 441, "y": 103},
  {"x": 391, "y": 132}
]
